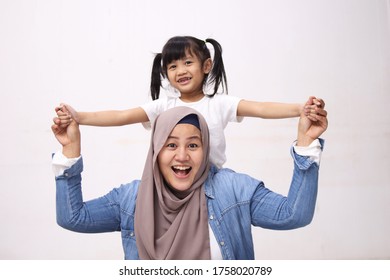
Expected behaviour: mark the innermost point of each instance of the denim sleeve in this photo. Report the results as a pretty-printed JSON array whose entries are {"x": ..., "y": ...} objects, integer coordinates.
[
  {"x": 275, "y": 211},
  {"x": 97, "y": 215}
]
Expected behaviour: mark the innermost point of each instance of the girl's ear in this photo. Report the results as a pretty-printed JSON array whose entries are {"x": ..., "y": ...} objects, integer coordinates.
[{"x": 207, "y": 65}]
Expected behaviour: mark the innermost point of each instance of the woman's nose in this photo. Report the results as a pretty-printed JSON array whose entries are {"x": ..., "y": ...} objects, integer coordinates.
[{"x": 181, "y": 154}]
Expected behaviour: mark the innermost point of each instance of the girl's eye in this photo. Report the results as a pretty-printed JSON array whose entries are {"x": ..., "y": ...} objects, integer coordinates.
[
  {"x": 188, "y": 62},
  {"x": 171, "y": 67}
]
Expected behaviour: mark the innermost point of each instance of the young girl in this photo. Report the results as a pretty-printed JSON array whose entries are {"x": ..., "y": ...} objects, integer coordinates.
[{"x": 187, "y": 65}]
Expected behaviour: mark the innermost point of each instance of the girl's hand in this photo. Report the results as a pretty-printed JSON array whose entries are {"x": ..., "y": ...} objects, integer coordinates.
[
  {"x": 311, "y": 126},
  {"x": 65, "y": 115},
  {"x": 314, "y": 107}
]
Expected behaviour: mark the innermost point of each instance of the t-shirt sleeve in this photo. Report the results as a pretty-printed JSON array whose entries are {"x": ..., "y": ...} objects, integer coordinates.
[
  {"x": 230, "y": 105},
  {"x": 152, "y": 110}
]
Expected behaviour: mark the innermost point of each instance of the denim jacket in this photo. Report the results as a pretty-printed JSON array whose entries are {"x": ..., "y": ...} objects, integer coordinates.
[{"x": 235, "y": 202}]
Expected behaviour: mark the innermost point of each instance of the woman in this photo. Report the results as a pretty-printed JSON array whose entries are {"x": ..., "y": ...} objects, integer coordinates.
[{"x": 184, "y": 207}]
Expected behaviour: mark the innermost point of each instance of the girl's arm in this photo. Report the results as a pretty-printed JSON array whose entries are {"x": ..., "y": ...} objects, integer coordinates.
[
  {"x": 268, "y": 110},
  {"x": 101, "y": 118},
  {"x": 275, "y": 110},
  {"x": 113, "y": 117}
]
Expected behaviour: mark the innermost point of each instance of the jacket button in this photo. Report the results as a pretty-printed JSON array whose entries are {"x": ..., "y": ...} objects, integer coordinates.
[
  {"x": 211, "y": 217},
  {"x": 222, "y": 243}
]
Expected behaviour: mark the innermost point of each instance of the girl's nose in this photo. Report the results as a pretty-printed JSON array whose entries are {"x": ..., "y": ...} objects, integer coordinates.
[{"x": 182, "y": 70}]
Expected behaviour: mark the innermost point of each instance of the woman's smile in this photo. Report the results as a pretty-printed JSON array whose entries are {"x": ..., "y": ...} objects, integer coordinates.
[
  {"x": 181, "y": 171},
  {"x": 181, "y": 156}
]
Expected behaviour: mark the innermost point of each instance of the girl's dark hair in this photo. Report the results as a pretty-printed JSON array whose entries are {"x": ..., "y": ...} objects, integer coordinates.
[{"x": 175, "y": 49}]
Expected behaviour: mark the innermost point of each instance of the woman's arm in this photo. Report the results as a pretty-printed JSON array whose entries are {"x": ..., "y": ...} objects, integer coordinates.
[
  {"x": 73, "y": 213},
  {"x": 94, "y": 216},
  {"x": 275, "y": 211}
]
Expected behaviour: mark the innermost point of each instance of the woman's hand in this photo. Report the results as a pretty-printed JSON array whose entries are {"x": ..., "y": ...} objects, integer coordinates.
[
  {"x": 311, "y": 126},
  {"x": 65, "y": 115},
  {"x": 67, "y": 135}
]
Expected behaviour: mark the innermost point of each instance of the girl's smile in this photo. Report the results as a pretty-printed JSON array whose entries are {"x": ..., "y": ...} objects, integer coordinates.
[
  {"x": 184, "y": 80},
  {"x": 187, "y": 75}
]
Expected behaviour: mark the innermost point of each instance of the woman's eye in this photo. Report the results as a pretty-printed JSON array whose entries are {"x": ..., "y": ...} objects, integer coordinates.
[
  {"x": 193, "y": 146},
  {"x": 171, "y": 145}
]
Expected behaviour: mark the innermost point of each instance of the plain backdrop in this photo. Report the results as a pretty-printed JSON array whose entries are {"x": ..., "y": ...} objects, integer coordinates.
[{"x": 97, "y": 55}]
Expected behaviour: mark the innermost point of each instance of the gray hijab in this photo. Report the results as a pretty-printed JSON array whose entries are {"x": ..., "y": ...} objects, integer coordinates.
[{"x": 168, "y": 225}]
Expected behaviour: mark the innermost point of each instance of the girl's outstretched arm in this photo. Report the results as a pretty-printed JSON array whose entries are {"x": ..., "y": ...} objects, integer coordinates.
[
  {"x": 101, "y": 118},
  {"x": 268, "y": 110},
  {"x": 275, "y": 110}
]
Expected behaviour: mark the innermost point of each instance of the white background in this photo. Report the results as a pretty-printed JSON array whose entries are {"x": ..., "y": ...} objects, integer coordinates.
[{"x": 97, "y": 55}]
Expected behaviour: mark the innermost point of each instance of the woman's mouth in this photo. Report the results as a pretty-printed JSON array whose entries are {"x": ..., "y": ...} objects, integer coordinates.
[{"x": 181, "y": 170}]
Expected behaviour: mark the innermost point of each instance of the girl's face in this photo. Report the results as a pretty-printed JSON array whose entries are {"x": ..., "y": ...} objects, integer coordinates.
[
  {"x": 187, "y": 74},
  {"x": 181, "y": 156}
]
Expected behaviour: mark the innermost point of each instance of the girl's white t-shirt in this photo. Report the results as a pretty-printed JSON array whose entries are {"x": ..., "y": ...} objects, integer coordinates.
[{"x": 218, "y": 111}]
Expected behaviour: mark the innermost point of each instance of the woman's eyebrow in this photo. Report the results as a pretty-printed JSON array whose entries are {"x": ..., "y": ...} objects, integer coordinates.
[{"x": 190, "y": 137}]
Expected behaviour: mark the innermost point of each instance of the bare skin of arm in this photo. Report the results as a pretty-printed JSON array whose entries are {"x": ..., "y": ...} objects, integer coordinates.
[
  {"x": 268, "y": 110},
  {"x": 69, "y": 138},
  {"x": 66, "y": 113},
  {"x": 311, "y": 128},
  {"x": 275, "y": 110},
  {"x": 313, "y": 117}
]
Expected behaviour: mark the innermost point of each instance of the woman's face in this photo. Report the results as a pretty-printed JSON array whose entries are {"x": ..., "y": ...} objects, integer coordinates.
[{"x": 181, "y": 156}]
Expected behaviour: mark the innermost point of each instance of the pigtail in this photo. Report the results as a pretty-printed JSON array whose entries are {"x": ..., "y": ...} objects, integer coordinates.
[
  {"x": 155, "y": 83},
  {"x": 218, "y": 74}
]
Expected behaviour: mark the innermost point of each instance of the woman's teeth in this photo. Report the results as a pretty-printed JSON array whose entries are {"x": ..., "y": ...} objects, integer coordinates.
[{"x": 181, "y": 169}]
